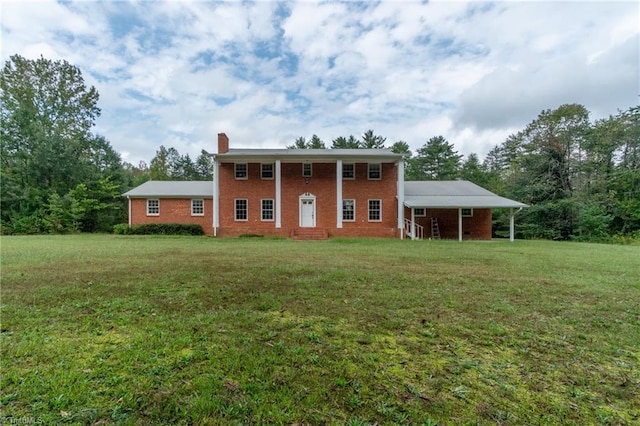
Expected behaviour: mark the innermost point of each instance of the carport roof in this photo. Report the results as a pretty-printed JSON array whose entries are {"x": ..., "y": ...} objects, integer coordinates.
[{"x": 453, "y": 194}]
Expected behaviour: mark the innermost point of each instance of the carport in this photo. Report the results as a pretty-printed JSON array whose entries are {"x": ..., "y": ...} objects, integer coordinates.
[{"x": 460, "y": 196}]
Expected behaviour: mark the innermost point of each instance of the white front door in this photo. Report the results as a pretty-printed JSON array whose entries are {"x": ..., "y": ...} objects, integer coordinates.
[{"x": 307, "y": 213}]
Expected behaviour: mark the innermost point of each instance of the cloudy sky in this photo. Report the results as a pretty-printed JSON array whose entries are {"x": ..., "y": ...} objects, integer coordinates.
[{"x": 177, "y": 73}]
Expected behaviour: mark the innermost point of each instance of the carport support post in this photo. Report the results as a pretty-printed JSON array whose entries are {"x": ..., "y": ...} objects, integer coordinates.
[
  {"x": 511, "y": 225},
  {"x": 413, "y": 223},
  {"x": 460, "y": 224}
]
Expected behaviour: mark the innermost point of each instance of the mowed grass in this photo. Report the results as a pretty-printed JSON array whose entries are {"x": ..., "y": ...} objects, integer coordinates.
[{"x": 193, "y": 330}]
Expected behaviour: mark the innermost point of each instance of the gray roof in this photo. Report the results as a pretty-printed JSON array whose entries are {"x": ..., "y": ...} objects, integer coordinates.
[
  {"x": 310, "y": 154},
  {"x": 172, "y": 189},
  {"x": 453, "y": 194}
]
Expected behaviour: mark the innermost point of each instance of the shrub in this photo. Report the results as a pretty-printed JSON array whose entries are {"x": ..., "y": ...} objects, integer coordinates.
[
  {"x": 159, "y": 229},
  {"x": 122, "y": 229}
]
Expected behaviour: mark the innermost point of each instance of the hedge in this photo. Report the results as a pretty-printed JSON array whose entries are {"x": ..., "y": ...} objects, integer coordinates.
[{"x": 159, "y": 229}]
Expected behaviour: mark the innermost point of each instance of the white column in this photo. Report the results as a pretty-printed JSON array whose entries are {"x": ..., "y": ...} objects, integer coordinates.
[
  {"x": 413, "y": 223},
  {"x": 216, "y": 197},
  {"x": 400, "y": 193},
  {"x": 511, "y": 225},
  {"x": 278, "y": 195},
  {"x": 129, "y": 200},
  {"x": 339, "y": 194},
  {"x": 459, "y": 224}
]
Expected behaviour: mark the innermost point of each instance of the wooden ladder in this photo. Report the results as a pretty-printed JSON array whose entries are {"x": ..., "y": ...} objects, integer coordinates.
[{"x": 435, "y": 229}]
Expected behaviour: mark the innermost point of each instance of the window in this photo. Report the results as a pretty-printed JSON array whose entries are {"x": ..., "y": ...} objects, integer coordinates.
[
  {"x": 241, "y": 170},
  {"x": 266, "y": 171},
  {"x": 467, "y": 212},
  {"x": 375, "y": 210},
  {"x": 306, "y": 169},
  {"x": 197, "y": 207},
  {"x": 375, "y": 171},
  {"x": 348, "y": 171},
  {"x": 241, "y": 209},
  {"x": 267, "y": 210},
  {"x": 420, "y": 212},
  {"x": 153, "y": 207},
  {"x": 349, "y": 210}
]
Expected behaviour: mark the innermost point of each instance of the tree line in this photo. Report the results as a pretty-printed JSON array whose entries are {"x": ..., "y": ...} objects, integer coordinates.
[{"x": 580, "y": 177}]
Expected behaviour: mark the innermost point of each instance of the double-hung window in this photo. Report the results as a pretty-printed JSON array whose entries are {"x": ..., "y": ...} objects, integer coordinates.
[
  {"x": 266, "y": 171},
  {"x": 307, "y": 170},
  {"x": 375, "y": 171},
  {"x": 267, "y": 210},
  {"x": 420, "y": 212},
  {"x": 153, "y": 207},
  {"x": 197, "y": 207},
  {"x": 241, "y": 210},
  {"x": 349, "y": 210},
  {"x": 241, "y": 171},
  {"x": 349, "y": 171},
  {"x": 375, "y": 210}
]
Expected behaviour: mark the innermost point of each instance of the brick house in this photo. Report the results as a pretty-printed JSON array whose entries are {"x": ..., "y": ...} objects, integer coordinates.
[{"x": 316, "y": 194}]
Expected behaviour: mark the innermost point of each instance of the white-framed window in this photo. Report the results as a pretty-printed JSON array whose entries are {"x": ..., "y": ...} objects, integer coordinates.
[
  {"x": 349, "y": 210},
  {"x": 348, "y": 171},
  {"x": 241, "y": 171},
  {"x": 375, "y": 171},
  {"x": 420, "y": 212},
  {"x": 467, "y": 212},
  {"x": 197, "y": 207},
  {"x": 375, "y": 210},
  {"x": 307, "y": 169},
  {"x": 267, "y": 210},
  {"x": 266, "y": 171},
  {"x": 153, "y": 207},
  {"x": 241, "y": 209}
]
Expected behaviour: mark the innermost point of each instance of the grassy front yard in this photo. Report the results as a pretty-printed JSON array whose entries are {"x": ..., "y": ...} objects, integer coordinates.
[{"x": 192, "y": 330}]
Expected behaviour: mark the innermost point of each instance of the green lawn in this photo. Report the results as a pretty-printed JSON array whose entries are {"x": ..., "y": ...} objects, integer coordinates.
[{"x": 192, "y": 330}]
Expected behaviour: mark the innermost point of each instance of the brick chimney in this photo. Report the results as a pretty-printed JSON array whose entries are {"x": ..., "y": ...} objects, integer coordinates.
[{"x": 223, "y": 143}]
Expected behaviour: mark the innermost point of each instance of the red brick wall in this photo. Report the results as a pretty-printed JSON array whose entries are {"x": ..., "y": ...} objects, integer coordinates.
[
  {"x": 172, "y": 210},
  {"x": 322, "y": 184},
  {"x": 477, "y": 227}
]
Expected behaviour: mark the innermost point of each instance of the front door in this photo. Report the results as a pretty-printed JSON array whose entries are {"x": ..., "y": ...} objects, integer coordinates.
[{"x": 307, "y": 213}]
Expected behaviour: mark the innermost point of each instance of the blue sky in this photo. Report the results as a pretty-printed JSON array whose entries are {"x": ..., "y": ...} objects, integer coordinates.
[{"x": 177, "y": 73}]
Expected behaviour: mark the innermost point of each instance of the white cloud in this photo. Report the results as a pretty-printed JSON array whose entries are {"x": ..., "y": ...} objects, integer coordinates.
[{"x": 179, "y": 72}]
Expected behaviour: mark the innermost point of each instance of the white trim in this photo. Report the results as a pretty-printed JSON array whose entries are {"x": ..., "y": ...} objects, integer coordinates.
[
  {"x": 369, "y": 210},
  {"x": 354, "y": 171},
  {"x": 400, "y": 192},
  {"x": 153, "y": 214},
  {"x": 424, "y": 211},
  {"x": 197, "y": 199},
  {"x": 216, "y": 197},
  {"x": 310, "y": 170},
  {"x": 470, "y": 214},
  {"x": 235, "y": 209},
  {"x": 339, "y": 194},
  {"x": 262, "y": 210},
  {"x": 278, "y": 201},
  {"x": 354, "y": 209},
  {"x": 262, "y": 171},
  {"x": 307, "y": 197},
  {"x": 129, "y": 202},
  {"x": 460, "y": 224},
  {"x": 246, "y": 171},
  {"x": 369, "y": 171}
]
